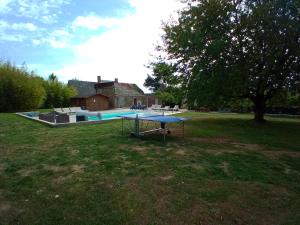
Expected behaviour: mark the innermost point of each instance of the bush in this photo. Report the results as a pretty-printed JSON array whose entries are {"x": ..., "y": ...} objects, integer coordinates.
[
  {"x": 58, "y": 94},
  {"x": 19, "y": 89}
]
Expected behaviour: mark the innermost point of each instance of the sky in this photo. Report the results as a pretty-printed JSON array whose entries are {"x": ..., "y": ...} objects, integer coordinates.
[{"x": 84, "y": 39}]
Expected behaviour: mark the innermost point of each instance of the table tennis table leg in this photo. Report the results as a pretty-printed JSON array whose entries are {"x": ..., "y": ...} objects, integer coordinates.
[
  {"x": 182, "y": 129},
  {"x": 122, "y": 126},
  {"x": 137, "y": 127}
]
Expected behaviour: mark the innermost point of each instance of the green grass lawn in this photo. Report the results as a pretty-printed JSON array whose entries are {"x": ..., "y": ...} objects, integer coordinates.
[{"x": 227, "y": 170}]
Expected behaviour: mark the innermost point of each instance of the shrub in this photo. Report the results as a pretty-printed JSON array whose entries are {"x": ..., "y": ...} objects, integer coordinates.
[
  {"x": 57, "y": 93},
  {"x": 19, "y": 89}
]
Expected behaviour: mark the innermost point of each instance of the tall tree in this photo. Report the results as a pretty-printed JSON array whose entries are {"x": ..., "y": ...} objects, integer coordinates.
[{"x": 236, "y": 49}]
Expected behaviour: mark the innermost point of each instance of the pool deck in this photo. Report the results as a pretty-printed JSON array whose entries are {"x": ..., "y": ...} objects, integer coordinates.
[{"x": 73, "y": 122}]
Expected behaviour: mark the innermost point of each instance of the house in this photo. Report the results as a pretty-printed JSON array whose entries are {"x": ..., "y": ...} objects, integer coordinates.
[{"x": 104, "y": 94}]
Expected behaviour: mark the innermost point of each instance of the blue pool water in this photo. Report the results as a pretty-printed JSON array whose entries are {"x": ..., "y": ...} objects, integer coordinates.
[{"x": 109, "y": 116}]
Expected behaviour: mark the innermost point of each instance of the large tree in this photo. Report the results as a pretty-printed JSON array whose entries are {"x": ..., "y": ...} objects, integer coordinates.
[{"x": 236, "y": 49}]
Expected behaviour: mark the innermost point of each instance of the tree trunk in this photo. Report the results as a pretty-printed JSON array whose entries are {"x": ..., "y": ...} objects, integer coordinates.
[{"x": 259, "y": 109}]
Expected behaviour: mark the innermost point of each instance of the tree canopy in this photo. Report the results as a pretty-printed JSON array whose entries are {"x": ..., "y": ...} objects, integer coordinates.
[
  {"x": 165, "y": 82},
  {"x": 229, "y": 49}
]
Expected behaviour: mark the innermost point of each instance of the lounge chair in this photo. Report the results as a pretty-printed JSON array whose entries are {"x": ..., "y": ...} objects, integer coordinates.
[
  {"x": 75, "y": 109},
  {"x": 153, "y": 106},
  {"x": 158, "y": 107},
  {"x": 140, "y": 106},
  {"x": 175, "y": 108},
  {"x": 66, "y": 110},
  {"x": 133, "y": 107},
  {"x": 166, "y": 108},
  {"x": 58, "y": 110}
]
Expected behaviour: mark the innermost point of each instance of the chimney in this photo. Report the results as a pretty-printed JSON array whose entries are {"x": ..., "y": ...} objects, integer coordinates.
[
  {"x": 116, "y": 80},
  {"x": 99, "y": 79}
]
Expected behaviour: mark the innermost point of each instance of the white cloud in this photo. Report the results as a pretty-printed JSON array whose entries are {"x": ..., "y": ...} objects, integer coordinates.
[
  {"x": 7, "y": 31},
  {"x": 40, "y": 9},
  {"x": 57, "y": 39},
  {"x": 93, "y": 22},
  {"x": 4, "y": 5},
  {"x": 36, "y": 42},
  {"x": 33, "y": 9},
  {"x": 122, "y": 51},
  {"x": 13, "y": 38},
  {"x": 4, "y": 25},
  {"x": 24, "y": 26}
]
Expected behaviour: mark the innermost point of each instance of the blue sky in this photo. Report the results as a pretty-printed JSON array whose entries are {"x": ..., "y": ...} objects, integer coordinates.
[{"x": 83, "y": 38}]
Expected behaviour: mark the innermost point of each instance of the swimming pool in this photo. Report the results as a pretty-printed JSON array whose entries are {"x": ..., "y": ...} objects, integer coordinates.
[
  {"x": 54, "y": 119},
  {"x": 110, "y": 116}
]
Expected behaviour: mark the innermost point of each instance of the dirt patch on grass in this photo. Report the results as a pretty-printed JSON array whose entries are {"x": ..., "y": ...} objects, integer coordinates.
[
  {"x": 166, "y": 178},
  {"x": 198, "y": 167},
  {"x": 278, "y": 154},
  {"x": 221, "y": 151},
  {"x": 123, "y": 146},
  {"x": 140, "y": 149},
  {"x": 95, "y": 162},
  {"x": 26, "y": 172},
  {"x": 180, "y": 152},
  {"x": 5, "y": 207},
  {"x": 150, "y": 158},
  {"x": 74, "y": 169},
  {"x": 61, "y": 179},
  {"x": 77, "y": 168},
  {"x": 252, "y": 147},
  {"x": 74, "y": 152},
  {"x": 127, "y": 163},
  {"x": 55, "y": 169}
]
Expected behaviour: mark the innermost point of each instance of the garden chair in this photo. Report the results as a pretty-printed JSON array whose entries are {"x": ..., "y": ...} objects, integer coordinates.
[{"x": 175, "y": 108}]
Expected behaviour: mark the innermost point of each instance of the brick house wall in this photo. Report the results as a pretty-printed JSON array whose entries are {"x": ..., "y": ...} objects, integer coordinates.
[
  {"x": 121, "y": 95},
  {"x": 81, "y": 102},
  {"x": 110, "y": 93},
  {"x": 97, "y": 102}
]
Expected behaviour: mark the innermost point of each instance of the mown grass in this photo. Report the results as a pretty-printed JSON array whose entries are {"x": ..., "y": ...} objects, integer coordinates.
[{"x": 227, "y": 170}]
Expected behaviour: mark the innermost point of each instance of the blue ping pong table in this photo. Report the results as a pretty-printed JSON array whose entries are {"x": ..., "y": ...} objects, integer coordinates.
[{"x": 162, "y": 119}]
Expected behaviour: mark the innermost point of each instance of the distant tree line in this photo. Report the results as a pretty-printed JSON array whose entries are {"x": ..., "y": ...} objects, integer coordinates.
[{"x": 22, "y": 90}]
